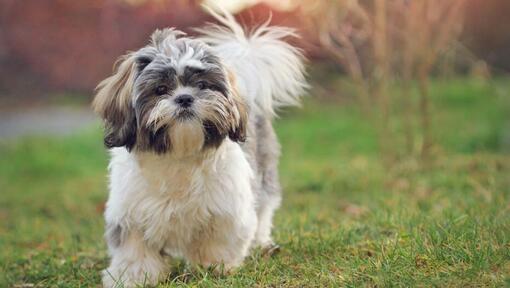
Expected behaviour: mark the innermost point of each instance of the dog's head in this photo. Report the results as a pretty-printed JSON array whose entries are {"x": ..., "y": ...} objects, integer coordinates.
[{"x": 173, "y": 95}]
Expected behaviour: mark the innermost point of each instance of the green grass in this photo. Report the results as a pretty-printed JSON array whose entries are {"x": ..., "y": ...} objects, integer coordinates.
[{"x": 345, "y": 221}]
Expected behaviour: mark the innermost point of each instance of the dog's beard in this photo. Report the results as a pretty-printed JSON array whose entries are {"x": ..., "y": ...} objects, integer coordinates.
[{"x": 187, "y": 137}]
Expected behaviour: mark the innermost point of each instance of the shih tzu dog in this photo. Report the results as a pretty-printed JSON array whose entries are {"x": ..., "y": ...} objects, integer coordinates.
[{"x": 193, "y": 170}]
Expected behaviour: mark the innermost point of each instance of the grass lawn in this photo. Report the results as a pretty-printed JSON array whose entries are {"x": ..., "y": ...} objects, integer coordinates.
[{"x": 345, "y": 219}]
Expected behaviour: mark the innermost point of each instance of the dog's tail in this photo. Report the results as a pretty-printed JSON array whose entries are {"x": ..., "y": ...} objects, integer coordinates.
[{"x": 269, "y": 72}]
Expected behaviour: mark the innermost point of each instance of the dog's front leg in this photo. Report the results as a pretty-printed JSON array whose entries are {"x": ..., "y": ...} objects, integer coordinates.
[
  {"x": 133, "y": 262},
  {"x": 225, "y": 243}
]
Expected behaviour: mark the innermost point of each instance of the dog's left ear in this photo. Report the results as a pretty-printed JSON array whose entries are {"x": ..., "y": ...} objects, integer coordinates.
[{"x": 239, "y": 116}]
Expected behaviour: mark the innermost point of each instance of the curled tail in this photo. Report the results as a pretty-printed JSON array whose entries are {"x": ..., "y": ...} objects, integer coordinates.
[{"x": 270, "y": 72}]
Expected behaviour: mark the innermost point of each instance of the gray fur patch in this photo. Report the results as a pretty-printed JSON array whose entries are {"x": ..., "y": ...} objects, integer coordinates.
[
  {"x": 263, "y": 151},
  {"x": 114, "y": 235}
]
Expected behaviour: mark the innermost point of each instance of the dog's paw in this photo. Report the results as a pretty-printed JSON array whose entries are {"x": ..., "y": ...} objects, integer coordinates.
[
  {"x": 111, "y": 281},
  {"x": 216, "y": 269},
  {"x": 270, "y": 250},
  {"x": 137, "y": 274}
]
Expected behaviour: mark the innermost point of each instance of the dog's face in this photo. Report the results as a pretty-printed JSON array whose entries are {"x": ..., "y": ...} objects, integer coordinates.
[{"x": 174, "y": 96}]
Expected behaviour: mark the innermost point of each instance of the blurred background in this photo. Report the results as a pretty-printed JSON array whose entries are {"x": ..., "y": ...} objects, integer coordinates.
[
  {"x": 395, "y": 170},
  {"x": 379, "y": 55}
]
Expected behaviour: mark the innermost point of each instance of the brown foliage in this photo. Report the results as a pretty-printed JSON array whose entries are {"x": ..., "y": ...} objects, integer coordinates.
[{"x": 404, "y": 40}]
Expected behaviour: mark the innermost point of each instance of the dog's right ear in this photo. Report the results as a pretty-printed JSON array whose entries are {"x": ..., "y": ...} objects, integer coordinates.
[{"x": 113, "y": 102}]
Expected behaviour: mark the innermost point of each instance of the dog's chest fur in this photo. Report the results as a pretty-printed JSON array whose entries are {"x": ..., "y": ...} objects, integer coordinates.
[
  {"x": 178, "y": 209},
  {"x": 179, "y": 201}
]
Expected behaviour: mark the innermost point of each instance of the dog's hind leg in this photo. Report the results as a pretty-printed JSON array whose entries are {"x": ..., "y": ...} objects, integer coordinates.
[{"x": 269, "y": 196}]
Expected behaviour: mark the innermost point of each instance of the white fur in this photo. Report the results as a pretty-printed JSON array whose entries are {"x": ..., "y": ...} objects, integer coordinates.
[
  {"x": 270, "y": 72},
  {"x": 199, "y": 207}
]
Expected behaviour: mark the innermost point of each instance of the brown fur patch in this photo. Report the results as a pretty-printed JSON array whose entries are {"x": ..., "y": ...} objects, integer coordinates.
[{"x": 238, "y": 131}]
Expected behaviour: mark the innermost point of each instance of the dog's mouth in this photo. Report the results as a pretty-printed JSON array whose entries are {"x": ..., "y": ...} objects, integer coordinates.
[{"x": 185, "y": 114}]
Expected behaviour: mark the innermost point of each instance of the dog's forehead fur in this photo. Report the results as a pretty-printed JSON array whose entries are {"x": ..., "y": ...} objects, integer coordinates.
[
  {"x": 167, "y": 50},
  {"x": 168, "y": 56}
]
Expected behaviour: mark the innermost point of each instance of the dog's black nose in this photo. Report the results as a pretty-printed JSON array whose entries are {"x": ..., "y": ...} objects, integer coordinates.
[{"x": 184, "y": 100}]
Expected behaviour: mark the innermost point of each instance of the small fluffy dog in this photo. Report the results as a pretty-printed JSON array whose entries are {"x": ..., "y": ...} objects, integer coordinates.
[{"x": 194, "y": 156}]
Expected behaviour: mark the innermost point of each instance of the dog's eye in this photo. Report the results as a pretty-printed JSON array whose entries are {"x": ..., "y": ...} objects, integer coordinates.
[
  {"x": 202, "y": 85},
  {"x": 161, "y": 90}
]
